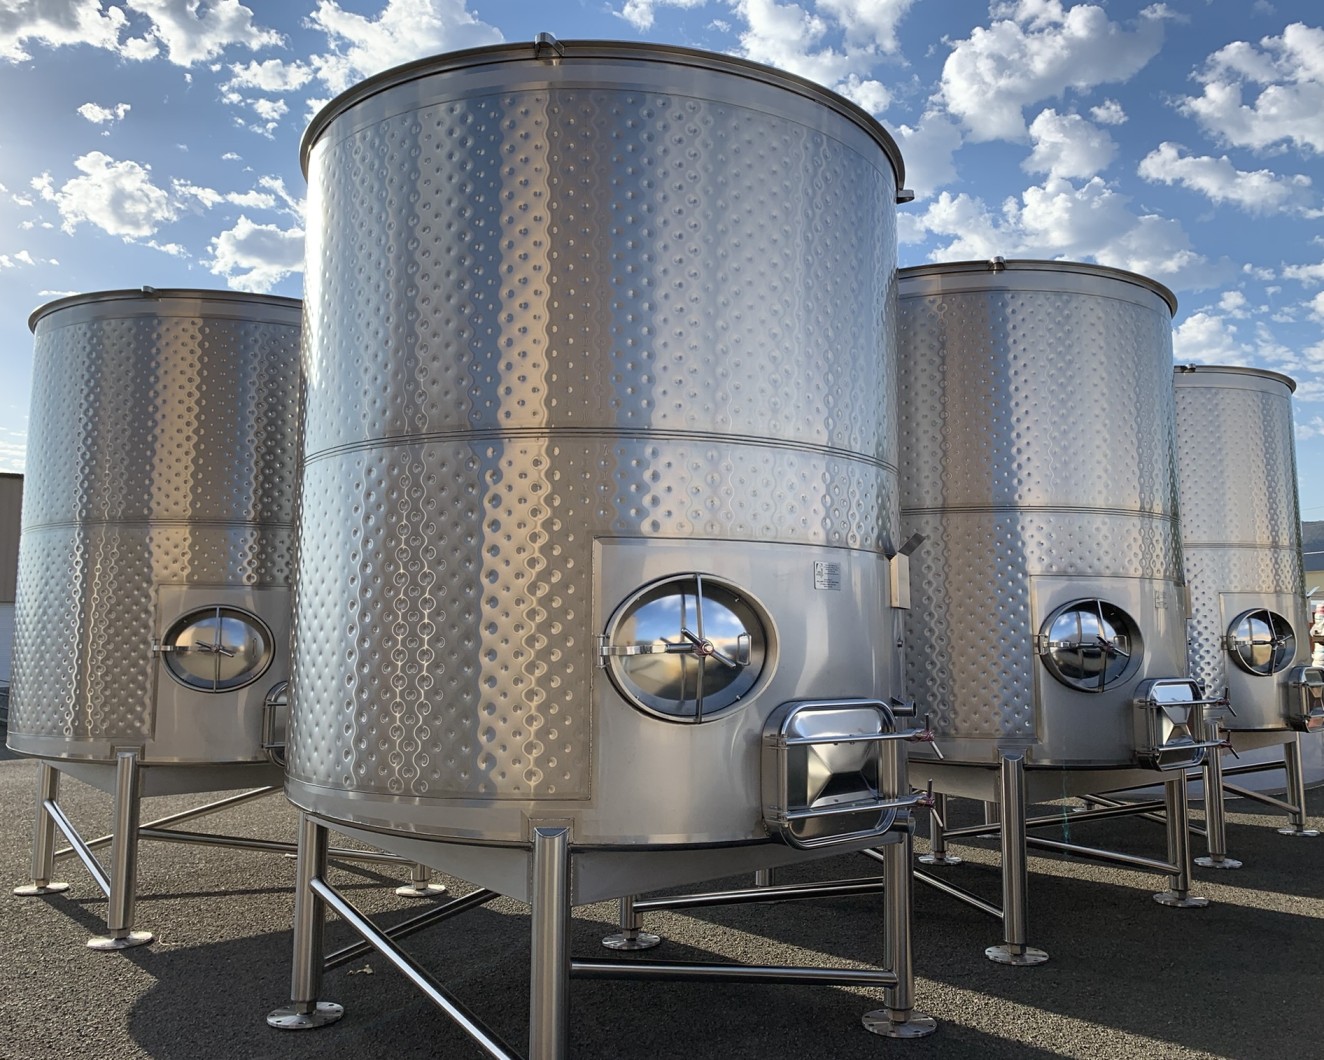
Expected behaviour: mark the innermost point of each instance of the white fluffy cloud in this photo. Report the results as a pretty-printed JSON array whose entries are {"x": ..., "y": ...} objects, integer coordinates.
[
  {"x": 928, "y": 151},
  {"x": 1285, "y": 77},
  {"x": 193, "y": 32},
  {"x": 1066, "y": 145},
  {"x": 117, "y": 197},
  {"x": 99, "y": 115},
  {"x": 1208, "y": 338},
  {"x": 1059, "y": 220},
  {"x": 640, "y": 13},
  {"x": 57, "y": 22},
  {"x": 188, "y": 30},
  {"x": 869, "y": 22},
  {"x": 405, "y": 30},
  {"x": 1036, "y": 50},
  {"x": 1257, "y": 192},
  {"x": 255, "y": 257}
]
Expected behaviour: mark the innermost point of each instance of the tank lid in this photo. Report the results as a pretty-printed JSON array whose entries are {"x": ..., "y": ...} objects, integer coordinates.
[
  {"x": 545, "y": 49},
  {"x": 149, "y": 296},
  {"x": 1031, "y": 265},
  {"x": 1183, "y": 372}
]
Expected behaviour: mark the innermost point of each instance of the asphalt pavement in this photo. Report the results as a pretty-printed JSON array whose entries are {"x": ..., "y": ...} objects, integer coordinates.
[{"x": 1127, "y": 977}]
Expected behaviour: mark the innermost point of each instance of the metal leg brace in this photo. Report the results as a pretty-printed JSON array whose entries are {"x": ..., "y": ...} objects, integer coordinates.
[
  {"x": 1015, "y": 867},
  {"x": 122, "y": 896},
  {"x": 1215, "y": 816},
  {"x": 43, "y": 836},
  {"x": 1179, "y": 847},
  {"x": 1296, "y": 790},
  {"x": 304, "y": 1011}
]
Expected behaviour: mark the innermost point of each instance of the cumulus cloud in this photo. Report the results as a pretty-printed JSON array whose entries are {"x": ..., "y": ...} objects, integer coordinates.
[
  {"x": 188, "y": 30},
  {"x": 1037, "y": 50},
  {"x": 1257, "y": 192},
  {"x": 1305, "y": 273},
  {"x": 1057, "y": 219},
  {"x": 192, "y": 32},
  {"x": 255, "y": 257},
  {"x": 99, "y": 115},
  {"x": 640, "y": 13},
  {"x": 1285, "y": 78},
  {"x": 928, "y": 150},
  {"x": 117, "y": 197},
  {"x": 57, "y": 22},
  {"x": 869, "y": 22},
  {"x": 1209, "y": 338},
  {"x": 1109, "y": 112},
  {"x": 1066, "y": 145},
  {"x": 405, "y": 30},
  {"x": 13, "y": 451},
  {"x": 271, "y": 75}
]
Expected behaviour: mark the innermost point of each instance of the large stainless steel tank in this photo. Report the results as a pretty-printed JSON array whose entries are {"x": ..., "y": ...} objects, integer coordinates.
[
  {"x": 1241, "y": 535},
  {"x": 1038, "y": 462},
  {"x": 598, "y": 350},
  {"x": 157, "y": 543},
  {"x": 1048, "y": 632}
]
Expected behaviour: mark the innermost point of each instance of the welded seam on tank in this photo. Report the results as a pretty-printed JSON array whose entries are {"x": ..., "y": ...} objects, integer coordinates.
[
  {"x": 158, "y": 524},
  {"x": 1024, "y": 509},
  {"x": 612, "y": 435}
]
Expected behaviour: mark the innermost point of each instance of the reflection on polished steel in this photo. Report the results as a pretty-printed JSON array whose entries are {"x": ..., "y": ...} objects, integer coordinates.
[
  {"x": 599, "y": 454},
  {"x": 1241, "y": 535},
  {"x": 1046, "y": 638},
  {"x": 160, "y": 480},
  {"x": 153, "y": 604}
]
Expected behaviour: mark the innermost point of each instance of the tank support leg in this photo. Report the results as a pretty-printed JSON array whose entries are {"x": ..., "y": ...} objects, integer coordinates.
[
  {"x": 765, "y": 877},
  {"x": 1215, "y": 817},
  {"x": 1179, "y": 846},
  {"x": 1296, "y": 789},
  {"x": 632, "y": 935},
  {"x": 1015, "y": 866},
  {"x": 304, "y": 1011},
  {"x": 43, "y": 836},
  {"x": 420, "y": 885},
  {"x": 938, "y": 854},
  {"x": 122, "y": 897},
  {"x": 549, "y": 974},
  {"x": 897, "y": 1018}
]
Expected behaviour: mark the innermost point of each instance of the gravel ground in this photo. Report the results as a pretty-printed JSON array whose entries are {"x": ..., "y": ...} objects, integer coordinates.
[{"x": 1127, "y": 977}]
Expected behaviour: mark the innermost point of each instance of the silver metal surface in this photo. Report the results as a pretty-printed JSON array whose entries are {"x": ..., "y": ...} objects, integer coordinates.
[
  {"x": 420, "y": 884},
  {"x": 43, "y": 837},
  {"x": 1038, "y": 463},
  {"x": 160, "y": 478},
  {"x": 632, "y": 935},
  {"x": 1240, "y": 525},
  {"x": 1015, "y": 867},
  {"x": 549, "y": 959},
  {"x": 557, "y": 350},
  {"x": 1178, "y": 894}
]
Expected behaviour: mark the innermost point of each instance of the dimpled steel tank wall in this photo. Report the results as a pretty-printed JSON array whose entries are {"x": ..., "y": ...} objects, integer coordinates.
[
  {"x": 1241, "y": 535},
  {"x": 590, "y": 336},
  {"x": 160, "y": 487},
  {"x": 1038, "y": 462}
]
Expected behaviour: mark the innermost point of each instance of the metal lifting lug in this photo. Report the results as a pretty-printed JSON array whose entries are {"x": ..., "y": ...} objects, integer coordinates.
[{"x": 547, "y": 40}]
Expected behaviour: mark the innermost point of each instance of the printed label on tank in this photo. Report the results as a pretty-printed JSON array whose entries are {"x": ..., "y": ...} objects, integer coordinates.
[{"x": 827, "y": 575}]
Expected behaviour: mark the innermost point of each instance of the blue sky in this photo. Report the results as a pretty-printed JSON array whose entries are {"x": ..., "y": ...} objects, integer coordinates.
[{"x": 155, "y": 142}]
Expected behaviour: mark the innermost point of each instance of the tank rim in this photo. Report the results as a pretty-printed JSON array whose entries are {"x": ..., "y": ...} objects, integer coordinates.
[
  {"x": 1180, "y": 370},
  {"x": 571, "y": 50},
  {"x": 157, "y": 294},
  {"x": 995, "y": 265}
]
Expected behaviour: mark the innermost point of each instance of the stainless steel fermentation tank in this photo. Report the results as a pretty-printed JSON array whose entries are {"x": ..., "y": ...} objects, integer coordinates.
[
  {"x": 600, "y": 488},
  {"x": 1241, "y": 537},
  {"x": 1047, "y": 634},
  {"x": 157, "y": 549}
]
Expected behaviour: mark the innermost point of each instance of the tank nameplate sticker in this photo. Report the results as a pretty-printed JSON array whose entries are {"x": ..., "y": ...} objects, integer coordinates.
[{"x": 827, "y": 575}]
